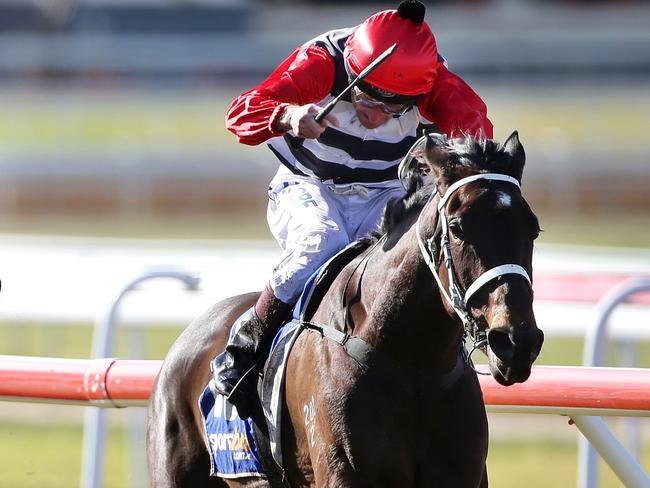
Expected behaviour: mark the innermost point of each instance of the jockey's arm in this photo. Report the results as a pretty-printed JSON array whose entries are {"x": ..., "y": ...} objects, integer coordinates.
[
  {"x": 267, "y": 110},
  {"x": 454, "y": 107}
]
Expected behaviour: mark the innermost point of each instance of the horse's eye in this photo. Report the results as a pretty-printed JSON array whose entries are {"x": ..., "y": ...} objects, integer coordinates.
[{"x": 456, "y": 229}]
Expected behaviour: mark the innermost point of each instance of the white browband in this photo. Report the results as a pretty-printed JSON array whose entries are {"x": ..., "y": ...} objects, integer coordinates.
[{"x": 485, "y": 176}]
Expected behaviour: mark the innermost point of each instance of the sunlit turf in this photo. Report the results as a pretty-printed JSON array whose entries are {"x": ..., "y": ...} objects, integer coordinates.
[
  {"x": 527, "y": 464},
  {"x": 50, "y": 457},
  {"x": 542, "y": 464},
  {"x": 619, "y": 229}
]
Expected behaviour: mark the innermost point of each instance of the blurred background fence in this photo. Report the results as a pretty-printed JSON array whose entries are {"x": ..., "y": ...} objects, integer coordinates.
[{"x": 115, "y": 108}]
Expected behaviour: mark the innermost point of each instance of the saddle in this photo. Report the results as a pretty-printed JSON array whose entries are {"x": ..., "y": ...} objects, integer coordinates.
[{"x": 251, "y": 447}]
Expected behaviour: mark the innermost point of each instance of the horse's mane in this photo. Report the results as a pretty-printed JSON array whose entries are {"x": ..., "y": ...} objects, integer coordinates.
[{"x": 483, "y": 154}]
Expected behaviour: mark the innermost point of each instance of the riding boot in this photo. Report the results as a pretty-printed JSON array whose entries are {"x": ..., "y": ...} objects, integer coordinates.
[{"x": 233, "y": 369}]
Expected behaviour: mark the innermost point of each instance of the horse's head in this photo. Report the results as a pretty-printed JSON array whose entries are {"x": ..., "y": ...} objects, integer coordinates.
[{"x": 477, "y": 234}]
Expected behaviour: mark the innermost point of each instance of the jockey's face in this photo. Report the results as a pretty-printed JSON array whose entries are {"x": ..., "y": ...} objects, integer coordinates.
[
  {"x": 371, "y": 118},
  {"x": 371, "y": 112}
]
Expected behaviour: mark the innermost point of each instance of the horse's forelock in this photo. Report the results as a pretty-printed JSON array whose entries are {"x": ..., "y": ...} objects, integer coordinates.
[{"x": 484, "y": 154}]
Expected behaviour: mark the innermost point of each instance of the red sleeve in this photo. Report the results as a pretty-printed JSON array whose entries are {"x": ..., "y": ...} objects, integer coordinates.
[
  {"x": 454, "y": 107},
  {"x": 306, "y": 76}
]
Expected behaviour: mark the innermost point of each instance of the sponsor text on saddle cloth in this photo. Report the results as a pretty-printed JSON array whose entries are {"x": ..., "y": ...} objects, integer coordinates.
[{"x": 229, "y": 438}]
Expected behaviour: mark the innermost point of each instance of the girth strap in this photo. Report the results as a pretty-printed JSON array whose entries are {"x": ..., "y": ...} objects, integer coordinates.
[
  {"x": 357, "y": 348},
  {"x": 363, "y": 353}
]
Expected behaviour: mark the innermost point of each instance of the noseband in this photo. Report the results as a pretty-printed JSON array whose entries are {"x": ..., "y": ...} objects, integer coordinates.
[{"x": 453, "y": 294}]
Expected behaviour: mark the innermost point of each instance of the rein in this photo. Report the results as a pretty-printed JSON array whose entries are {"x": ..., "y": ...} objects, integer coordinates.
[{"x": 453, "y": 294}]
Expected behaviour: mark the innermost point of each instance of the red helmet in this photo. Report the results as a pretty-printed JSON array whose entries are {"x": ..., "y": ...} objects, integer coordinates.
[{"x": 411, "y": 70}]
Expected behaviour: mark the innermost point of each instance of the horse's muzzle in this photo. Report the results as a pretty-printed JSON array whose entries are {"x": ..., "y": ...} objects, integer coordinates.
[{"x": 511, "y": 353}]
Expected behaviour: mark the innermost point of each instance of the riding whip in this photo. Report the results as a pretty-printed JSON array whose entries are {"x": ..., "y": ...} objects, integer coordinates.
[{"x": 369, "y": 69}]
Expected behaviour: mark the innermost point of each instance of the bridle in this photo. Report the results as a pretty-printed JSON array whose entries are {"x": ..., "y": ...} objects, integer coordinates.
[{"x": 433, "y": 256}]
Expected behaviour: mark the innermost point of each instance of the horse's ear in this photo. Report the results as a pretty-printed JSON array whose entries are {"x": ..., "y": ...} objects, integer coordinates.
[
  {"x": 434, "y": 154},
  {"x": 516, "y": 151},
  {"x": 419, "y": 170}
]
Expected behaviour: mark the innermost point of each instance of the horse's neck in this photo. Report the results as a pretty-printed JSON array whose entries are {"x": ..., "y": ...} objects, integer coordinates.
[{"x": 394, "y": 304}]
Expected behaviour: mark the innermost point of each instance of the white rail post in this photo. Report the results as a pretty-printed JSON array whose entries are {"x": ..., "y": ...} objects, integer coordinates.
[
  {"x": 92, "y": 459},
  {"x": 594, "y": 355},
  {"x": 612, "y": 451}
]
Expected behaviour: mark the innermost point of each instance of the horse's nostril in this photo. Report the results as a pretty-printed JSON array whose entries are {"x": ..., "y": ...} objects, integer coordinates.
[{"x": 501, "y": 344}]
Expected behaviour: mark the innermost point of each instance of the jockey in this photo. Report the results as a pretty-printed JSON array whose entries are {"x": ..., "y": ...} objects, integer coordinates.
[{"x": 336, "y": 176}]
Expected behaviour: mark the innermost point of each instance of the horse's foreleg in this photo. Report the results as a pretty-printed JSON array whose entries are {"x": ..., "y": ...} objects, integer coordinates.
[
  {"x": 463, "y": 451},
  {"x": 314, "y": 440}
]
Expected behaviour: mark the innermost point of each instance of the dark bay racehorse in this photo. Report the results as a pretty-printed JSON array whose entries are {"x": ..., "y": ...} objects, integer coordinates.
[{"x": 403, "y": 407}]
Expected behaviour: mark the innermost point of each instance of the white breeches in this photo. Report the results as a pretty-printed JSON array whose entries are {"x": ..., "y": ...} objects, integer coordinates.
[{"x": 312, "y": 221}]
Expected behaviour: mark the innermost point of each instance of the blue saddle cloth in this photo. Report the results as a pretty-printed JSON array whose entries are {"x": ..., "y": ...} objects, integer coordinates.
[{"x": 230, "y": 440}]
